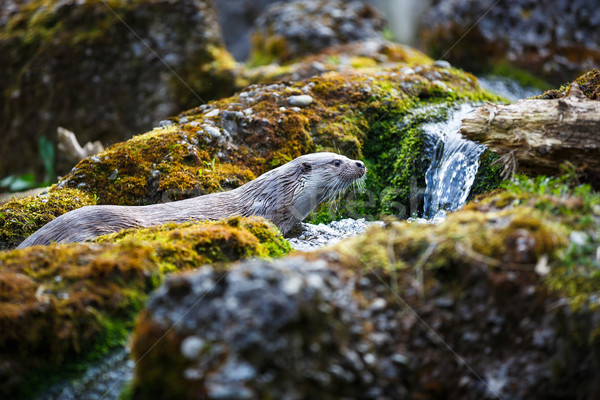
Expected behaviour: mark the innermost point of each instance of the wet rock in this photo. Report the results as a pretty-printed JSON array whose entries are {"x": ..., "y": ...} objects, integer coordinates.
[
  {"x": 554, "y": 40},
  {"x": 290, "y": 30},
  {"x": 75, "y": 64}
]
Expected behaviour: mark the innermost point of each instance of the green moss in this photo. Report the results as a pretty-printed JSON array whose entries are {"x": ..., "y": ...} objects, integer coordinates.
[
  {"x": 268, "y": 49},
  {"x": 589, "y": 83},
  {"x": 550, "y": 219},
  {"x": 21, "y": 217},
  {"x": 489, "y": 174},
  {"x": 533, "y": 222},
  {"x": 69, "y": 304}
]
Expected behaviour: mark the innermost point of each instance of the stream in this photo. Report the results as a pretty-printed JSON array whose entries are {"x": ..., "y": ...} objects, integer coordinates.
[{"x": 449, "y": 179}]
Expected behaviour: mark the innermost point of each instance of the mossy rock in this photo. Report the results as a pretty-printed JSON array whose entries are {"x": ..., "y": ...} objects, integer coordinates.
[
  {"x": 104, "y": 70},
  {"x": 508, "y": 286},
  {"x": 20, "y": 218},
  {"x": 588, "y": 82},
  {"x": 372, "y": 113},
  {"x": 62, "y": 304},
  {"x": 516, "y": 39},
  {"x": 288, "y": 31}
]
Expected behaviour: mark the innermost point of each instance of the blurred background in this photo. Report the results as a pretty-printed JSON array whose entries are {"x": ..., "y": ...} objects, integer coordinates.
[{"x": 107, "y": 70}]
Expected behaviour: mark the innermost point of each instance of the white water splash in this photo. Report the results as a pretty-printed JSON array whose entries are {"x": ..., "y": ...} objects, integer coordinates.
[{"x": 453, "y": 167}]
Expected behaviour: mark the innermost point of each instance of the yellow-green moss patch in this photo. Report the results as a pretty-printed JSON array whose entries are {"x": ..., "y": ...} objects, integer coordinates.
[
  {"x": 540, "y": 226},
  {"x": 59, "y": 303},
  {"x": 19, "y": 218}
]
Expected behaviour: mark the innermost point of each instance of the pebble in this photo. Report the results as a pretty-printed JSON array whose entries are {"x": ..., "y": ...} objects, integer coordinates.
[
  {"x": 212, "y": 131},
  {"x": 191, "y": 347},
  {"x": 302, "y": 100},
  {"x": 212, "y": 113},
  {"x": 442, "y": 64},
  {"x": 164, "y": 123}
]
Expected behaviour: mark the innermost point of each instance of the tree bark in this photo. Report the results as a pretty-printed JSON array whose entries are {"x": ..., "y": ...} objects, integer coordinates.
[{"x": 542, "y": 134}]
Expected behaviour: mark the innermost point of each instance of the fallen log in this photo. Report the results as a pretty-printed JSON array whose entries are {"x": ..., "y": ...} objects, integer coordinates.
[{"x": 540, "y": 135}]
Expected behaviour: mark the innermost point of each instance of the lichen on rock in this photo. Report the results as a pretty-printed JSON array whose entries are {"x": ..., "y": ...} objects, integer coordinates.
[{"x": 553, "y": 41}]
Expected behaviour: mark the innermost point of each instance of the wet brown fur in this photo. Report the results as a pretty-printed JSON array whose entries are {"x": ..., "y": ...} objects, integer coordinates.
[{"x": 284, "y": 195}]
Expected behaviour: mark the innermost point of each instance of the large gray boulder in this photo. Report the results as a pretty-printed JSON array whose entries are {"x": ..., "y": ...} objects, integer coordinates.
[{"x": 104, "y": 72}]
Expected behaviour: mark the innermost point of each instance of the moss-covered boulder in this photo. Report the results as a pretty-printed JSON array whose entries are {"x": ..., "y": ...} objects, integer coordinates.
[
  {"x": 288, "y": 31},
  {"x": 501, "y": 300},
  {"x": 553, "y": 40},
  {"x": 373, "y": 110},
  {"x": 103, "y": 69},
  {"x": 64, "y": 304},
  {"x": 20, "y": 218}
]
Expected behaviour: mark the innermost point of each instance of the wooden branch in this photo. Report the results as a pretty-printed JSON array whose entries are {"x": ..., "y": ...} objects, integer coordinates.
[{"x": 541, "y": 134}]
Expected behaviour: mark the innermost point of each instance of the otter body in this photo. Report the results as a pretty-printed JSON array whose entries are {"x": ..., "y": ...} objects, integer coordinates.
[{"x": 284, "y": 195}]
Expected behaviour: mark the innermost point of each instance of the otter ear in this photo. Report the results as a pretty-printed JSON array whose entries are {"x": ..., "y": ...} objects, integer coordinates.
[{"x": 306, "y": 166}]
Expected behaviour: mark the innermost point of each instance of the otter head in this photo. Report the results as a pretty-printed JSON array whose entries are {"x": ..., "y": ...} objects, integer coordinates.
[
  {"x": 286, "y": 195},
  {"x": 317, "y": 178},
  {"x": 325, "y": 175}
]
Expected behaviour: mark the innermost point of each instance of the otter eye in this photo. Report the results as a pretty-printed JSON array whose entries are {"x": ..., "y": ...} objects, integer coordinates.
[{"x": 337, "y": 163}]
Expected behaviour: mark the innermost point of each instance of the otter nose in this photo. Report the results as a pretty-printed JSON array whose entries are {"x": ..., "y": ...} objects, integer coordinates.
[{"x": 360, "y": 164}]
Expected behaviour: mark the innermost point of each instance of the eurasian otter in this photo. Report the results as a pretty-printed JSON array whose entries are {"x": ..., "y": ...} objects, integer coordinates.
[{"x": 284, "y": 195}]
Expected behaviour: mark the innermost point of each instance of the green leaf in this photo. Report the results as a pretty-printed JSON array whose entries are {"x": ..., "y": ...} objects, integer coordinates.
[
  {"x": 46, "y": 150},
  {"x": 6, "y": 182},
  {"x": 22, "y": 182}
]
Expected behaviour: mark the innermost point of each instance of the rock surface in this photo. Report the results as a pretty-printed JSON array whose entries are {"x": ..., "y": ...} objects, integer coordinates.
[
  {"x": 264, "y": 330},
  {"x": 405, "y": 311},
  {"x": 291, "y": 30},
  {"x": 105, "y": 72},
  {"x": 554, "y": 40}
]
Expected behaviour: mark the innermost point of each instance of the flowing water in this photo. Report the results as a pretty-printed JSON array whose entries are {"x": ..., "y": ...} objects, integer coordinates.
[{"x": 453, "y": 167}]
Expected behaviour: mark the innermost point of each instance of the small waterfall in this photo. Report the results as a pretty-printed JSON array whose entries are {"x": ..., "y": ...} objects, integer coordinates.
[{"x": 453, "y": 167}]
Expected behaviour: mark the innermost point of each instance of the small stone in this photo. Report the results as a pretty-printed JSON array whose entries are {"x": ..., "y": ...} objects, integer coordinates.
[
  {"x": 191, "y": 347},
  {"x": 378, "y": 304},
  {"x": 114, "y": 175},
  {"x": 248, "y": 111},
  {"x": 192, "y": 374},
  {"x": 212, "y": 131},
  {"x": 165, "y": 122},
  {"x": 95, "y": 158},
  {"x": 302, "y": 100},
  {"x": 579, "y": 238},
  {"x": 292, "y": 285},
  {"x": 183, "y": 120},
  {"x": 400, "y": 359},
  {"x": 442, "y": 64},
  {"x": 212, "y": 113},
  {"x": 369, "y": 358}
]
